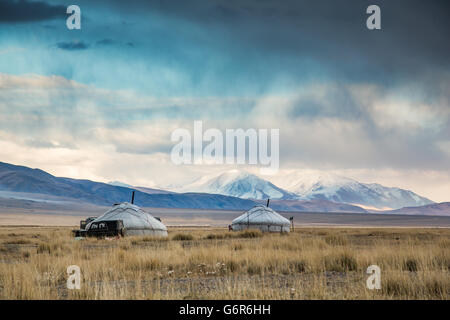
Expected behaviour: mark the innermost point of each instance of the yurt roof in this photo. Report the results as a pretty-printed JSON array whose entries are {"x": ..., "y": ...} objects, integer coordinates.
[
  {"x": 132, "y": 216},
  {"x": 262, "y": 215}
]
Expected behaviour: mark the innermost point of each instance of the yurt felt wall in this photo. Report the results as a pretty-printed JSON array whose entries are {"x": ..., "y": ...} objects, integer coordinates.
[
  {"x": 135, "y": 220},
  {"x": 262, "y": 218}
]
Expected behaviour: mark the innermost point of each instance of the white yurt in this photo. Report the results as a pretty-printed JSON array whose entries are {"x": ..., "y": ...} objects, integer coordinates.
[
  {"x": 262, "y": 218},
  {"x": 135, "y": 220}
]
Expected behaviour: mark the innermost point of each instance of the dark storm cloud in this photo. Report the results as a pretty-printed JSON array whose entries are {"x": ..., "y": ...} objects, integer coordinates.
[
  {"x": 105, "y": 42},
  {"x": 13, "y": 11},
  {"x": 111, "y": 42},
  {"x": 412, "y": 43},
  {"x": 261, "y": 46},
  {"x": 72, "y": 45},
  {"x": 300, "y": 39}
]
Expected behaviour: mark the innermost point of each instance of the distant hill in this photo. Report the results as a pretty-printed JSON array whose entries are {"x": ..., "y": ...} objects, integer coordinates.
[
  {"x": 153, "y": 191},
  {"x": 22, "y": 179},
  {"x": 120, "y": 184},
  {"x": 314, "y": 206},
  {"x": 143, "y": 189},
  {"x": 435, "y": 209}
]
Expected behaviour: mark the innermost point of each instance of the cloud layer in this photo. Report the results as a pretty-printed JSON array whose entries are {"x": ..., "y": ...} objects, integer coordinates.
[
  {"x": 328, "y": 127},
  {"x": 14, "y": 11}
]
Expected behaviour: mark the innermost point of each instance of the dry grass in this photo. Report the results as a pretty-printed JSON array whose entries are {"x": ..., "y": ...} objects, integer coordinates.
[{"x": 196, "y": 263}]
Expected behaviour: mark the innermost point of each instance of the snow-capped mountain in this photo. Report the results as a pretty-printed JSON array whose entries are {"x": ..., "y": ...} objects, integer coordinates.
[
  {"x": 346, "y": 190},
  {"x": 305, "y": 185},
  {"x": 237, "y": 184}
]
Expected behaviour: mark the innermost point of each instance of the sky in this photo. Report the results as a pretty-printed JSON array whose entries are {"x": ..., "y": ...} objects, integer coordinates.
[{"x": 101, "y": 102}]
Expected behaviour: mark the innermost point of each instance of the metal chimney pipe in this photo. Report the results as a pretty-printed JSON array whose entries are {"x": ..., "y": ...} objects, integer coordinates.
[{"x": 132, "y": 198}]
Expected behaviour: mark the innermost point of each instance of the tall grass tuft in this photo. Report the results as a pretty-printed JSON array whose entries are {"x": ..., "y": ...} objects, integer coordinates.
[{"x": 182, "y": 237}]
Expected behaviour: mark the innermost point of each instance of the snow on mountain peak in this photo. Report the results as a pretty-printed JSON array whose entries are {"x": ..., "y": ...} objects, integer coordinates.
[
  {"x": 305, "y": 185},
  {"x": 310, "y": 184},
  {"x": 238, "y": 184}
]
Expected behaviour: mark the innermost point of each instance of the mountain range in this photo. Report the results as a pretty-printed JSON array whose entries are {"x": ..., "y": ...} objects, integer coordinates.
[
  {"x": 434, "y": 209},
  {"x": 233, "y": 190},
  {"x": 306, "y": 186},
  {"x": 26, "y": 184},
  {"x": 36, "y": 185}
]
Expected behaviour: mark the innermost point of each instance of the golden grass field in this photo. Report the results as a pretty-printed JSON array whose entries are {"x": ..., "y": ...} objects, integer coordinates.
[{"x": 208, "y": 263}]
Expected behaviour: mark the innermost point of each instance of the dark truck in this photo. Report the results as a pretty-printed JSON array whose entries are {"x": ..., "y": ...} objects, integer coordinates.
[{"x": 100, "y": 229}]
